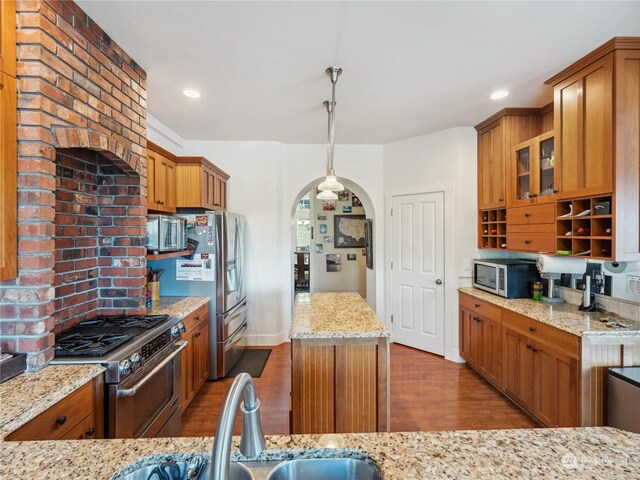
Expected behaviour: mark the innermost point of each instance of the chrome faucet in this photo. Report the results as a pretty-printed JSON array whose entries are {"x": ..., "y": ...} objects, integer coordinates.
[{"x": 252, "y": 440}]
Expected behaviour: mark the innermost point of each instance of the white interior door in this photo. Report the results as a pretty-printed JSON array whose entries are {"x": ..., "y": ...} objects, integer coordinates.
[{"x": 417, "y": 272}]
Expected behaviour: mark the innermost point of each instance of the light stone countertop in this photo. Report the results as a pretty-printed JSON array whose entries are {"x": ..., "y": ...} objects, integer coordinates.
[
  {"x": 573, "y": 453},
  {"x": 564, "y": 316},
  {"x": 178, "y": 307},
  {"x": 29, "y": 394},
  {"x": 334, "y": 315}
]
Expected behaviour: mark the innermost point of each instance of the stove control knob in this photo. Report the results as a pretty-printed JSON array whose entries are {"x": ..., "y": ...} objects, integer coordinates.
[
  {"x": 182, "y": 327},
  {"x": 126, "y": 367},
  {"x": 175, "y": 331},
  {"x": 136, "y": 360}
]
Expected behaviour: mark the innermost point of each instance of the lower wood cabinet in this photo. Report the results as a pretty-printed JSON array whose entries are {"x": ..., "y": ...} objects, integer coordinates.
[
  {"x": 480, "y": 337},
  {"x": 534, "y": 364},
  {"x": 195, "y": 358},
  {"x": 78, "y": 416}
]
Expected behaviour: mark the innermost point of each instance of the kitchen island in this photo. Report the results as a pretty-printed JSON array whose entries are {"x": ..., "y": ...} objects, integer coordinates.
[
  {"x": 535, "y": 453},
  {"x": 340, "y": 365}
]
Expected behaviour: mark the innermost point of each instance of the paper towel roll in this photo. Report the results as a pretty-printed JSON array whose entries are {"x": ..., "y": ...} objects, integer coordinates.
[{"x": 548, "y": 264}]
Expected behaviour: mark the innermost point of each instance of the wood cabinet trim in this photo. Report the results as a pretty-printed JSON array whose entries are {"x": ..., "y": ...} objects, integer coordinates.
[
  {"x": 203, "y": 161},
  {"x": 496, "y": 117},
  {"x": 161, "y": 151},
  {"x": 616, "y": 43},
  {"x": 8, "y": 179}
]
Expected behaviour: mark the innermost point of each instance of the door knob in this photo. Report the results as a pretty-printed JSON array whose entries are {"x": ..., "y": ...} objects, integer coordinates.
[{"x": 438, "y": 282}]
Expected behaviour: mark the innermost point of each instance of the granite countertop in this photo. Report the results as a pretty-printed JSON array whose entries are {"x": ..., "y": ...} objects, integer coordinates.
[
  {"x": 563, "y": 316},
  {"x": 334, "y": 315},
  {"x": 178, "y": 307},
  {"x": 29, "y": 394},
  {"x": 534, "y": 453}
]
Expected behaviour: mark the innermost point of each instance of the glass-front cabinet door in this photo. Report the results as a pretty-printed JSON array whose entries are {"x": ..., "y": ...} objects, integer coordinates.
[
  {"x": 546, "y": 165},
  {"x": 523, "y": 172},
  {"x": 533, "y": 171}
]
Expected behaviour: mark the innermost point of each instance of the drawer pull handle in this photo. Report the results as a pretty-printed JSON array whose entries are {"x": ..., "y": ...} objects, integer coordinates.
[
  {"x": 90, "y": 432},
  {"x": 501, "y": 199},
  {"x": 534, "y": 349},
  {"x": 555, "y": 190},
  {"x": 533, "y": 195},
  {"x": 197, "y": 318},
  {"x": 61, "y": 420},
  {"x": 527, "y": 242},
  {"x": 529, "y": 347},
  {"x": 527, "y": 214},
  {"x": 532, "y": 329},
  {"x": 477, "y": 305}
]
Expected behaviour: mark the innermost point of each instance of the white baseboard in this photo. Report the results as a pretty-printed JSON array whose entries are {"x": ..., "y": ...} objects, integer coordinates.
[{"x": 267, "y": 340}]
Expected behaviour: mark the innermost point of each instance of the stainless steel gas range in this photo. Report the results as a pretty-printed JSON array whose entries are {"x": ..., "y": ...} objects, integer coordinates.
[{"x": 141, "y": 355}]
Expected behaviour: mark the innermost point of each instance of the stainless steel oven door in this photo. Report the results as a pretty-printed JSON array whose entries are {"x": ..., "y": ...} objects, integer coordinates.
[{"x": 148, "y": 403}]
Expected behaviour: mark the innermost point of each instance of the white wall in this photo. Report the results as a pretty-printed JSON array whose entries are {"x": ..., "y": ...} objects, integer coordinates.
[
  {"x": 266, "y": 181},
  {"x": 443, "y": 158}
]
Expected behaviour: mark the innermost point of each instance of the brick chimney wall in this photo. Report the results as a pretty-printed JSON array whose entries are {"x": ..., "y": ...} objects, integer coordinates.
[{"x": 81, "y": 100}]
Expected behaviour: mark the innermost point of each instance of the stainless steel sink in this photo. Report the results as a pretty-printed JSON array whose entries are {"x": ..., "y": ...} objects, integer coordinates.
[
  {"x": 196, "y": 467},
  {"x": 324, "y": 469},
  {"x": 193, "y": 470}
]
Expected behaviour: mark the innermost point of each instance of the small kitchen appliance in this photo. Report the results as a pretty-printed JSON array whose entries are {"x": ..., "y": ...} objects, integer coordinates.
[
  {"x": 166, "y": 233},
  {"x": 509, "y": 278}
]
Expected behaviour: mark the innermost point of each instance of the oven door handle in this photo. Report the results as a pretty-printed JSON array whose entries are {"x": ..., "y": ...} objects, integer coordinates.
[{"x": 130, "y": 392}]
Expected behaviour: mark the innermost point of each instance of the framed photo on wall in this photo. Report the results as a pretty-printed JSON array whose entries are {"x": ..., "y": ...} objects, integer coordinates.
[
  {"x": 368, "y": 235},
  {"x": 348, "y": 231}
]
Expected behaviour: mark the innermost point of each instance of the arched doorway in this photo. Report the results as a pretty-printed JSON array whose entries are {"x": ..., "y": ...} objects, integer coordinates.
[{"x": 330, "y": 262}]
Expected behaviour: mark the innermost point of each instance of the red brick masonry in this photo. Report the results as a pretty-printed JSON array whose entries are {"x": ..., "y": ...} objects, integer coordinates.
[{"x": 81, "y": 178}]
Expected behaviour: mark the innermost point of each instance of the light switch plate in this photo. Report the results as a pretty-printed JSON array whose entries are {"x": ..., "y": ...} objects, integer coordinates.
[{"x": 633, "y": 283}]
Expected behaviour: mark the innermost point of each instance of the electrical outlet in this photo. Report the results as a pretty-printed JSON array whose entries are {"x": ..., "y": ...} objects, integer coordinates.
[
  {"x": 633, "y": 283},
  {"x": 466, "y": 265}
]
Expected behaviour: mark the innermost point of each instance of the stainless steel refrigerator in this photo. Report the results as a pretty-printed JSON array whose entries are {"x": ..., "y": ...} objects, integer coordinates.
[{"x": 221, "y": 235}]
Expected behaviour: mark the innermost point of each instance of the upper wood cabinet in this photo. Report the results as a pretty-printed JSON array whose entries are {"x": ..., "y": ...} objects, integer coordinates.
[
  {"x": 8, "y": 143},
  {"x": 597, "y": 123},
  {"x": 532, "y": 178},
  {"x": 497, "y": 137},
  {"x": 161, "y": 179},
  {"x": 584, "y": 119},
  {"x": 200, "y": 184},
  {"x": 8, "y": 37}
]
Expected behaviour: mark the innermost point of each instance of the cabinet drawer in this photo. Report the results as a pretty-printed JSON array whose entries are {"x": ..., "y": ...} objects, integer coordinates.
[
  {"x": 562, "y": 341},
  {"x": 196, "y": 317},
  {"x": 531, "y": 242},
  {"x": 60, "y": 419},
  {"x": 84, "y": 430},
  {"x": 529, "y": 215},
  {"x": 480, "y": 307}
]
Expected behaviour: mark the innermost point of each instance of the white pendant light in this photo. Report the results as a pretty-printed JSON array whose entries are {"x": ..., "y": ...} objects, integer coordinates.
[
  {"x": 327, "y": 195},
  {"x": 331, "y": 184}
]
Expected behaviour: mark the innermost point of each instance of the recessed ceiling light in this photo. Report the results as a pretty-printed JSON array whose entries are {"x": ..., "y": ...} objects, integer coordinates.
[
  {"x": 191, "y": 93},
  {"x": 499, "y": 94}
]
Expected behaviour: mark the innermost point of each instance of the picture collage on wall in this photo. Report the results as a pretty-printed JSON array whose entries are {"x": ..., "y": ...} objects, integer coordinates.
[{"x": 349, "y": 230}]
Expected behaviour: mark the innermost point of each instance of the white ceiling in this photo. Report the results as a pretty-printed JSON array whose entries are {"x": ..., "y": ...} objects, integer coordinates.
[{"x": 410, "y": 68}]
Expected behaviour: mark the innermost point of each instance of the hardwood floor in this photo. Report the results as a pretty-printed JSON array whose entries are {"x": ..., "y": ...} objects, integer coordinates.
[{"x": 427, "y": 393}]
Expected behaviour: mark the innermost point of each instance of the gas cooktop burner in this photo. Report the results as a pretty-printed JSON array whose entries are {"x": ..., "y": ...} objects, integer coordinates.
[
  {"x": 97, "y": 337},
  {"x": 78, "y": 343},
  {"x": 139, "y": 321}
]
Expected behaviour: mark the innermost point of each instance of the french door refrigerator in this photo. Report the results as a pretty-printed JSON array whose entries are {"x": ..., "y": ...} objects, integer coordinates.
[{"x": 221, "y": 239}]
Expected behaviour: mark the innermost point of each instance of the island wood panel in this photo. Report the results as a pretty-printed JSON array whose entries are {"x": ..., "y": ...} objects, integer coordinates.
[
  {"x": 598, "y": 354},
  {"x": 356, "y": 393},
  {"x": 312, "y": 388},
  {"x": 340, "y": 385}
]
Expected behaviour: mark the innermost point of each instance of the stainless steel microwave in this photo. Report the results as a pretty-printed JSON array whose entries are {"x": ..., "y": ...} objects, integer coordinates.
[
  {"x": 509, "y": 278},
  {"x": 166, "y": 233}
]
